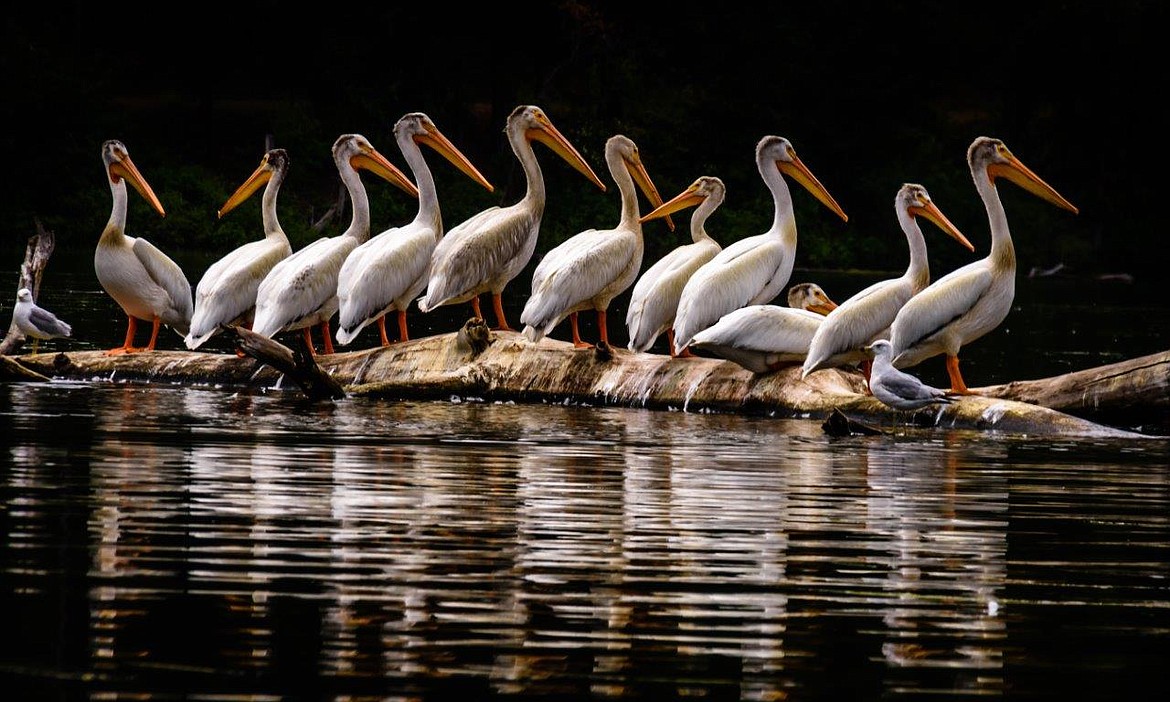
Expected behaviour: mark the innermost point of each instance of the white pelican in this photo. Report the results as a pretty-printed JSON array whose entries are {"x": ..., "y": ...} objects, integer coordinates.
[
  {"x": 841, "y": 338},
  {"x": 301, "y": 290},
  {"x": 753, "y": 270},
  {"x": 588, "y": 270},
  {"x": 226, "y": 294},
  {"x": 654, "y": 300},
  {"x": 763, "y": 338},
  {"x": 387, "y": 272},
  {"x": 37, "y": 322},
  {"x": 485, "y": 252},
  {"x": 143, "y": 280},
  {"x": 971, "y": 300},
  {"x": 896, "y": 389}
]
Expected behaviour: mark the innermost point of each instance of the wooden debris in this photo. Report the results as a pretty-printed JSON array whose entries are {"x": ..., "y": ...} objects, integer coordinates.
[{"x": 299, "y": 365}]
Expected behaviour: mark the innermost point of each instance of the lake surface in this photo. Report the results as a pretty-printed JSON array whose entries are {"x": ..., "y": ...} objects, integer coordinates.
[{"x": 168, "y": 542}]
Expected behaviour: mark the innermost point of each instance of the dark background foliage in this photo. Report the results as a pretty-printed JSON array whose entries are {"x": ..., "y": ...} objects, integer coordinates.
[{"x": 871, "y": 94}]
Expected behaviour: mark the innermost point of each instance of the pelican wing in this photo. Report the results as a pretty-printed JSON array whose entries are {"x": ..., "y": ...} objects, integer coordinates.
[
  {"x": 729, "y": 281},
  {"x": 748, "y": 267},
  {"x": 767, "y": 328},
  {"x": 390, "y": 267},
  {"x": 298, "y": 286},
  {"x": 857, "y": 322},
  {"x": 246, "y": 266},
  {"x": 227, "y": 291},
  {"x": 654, "y": 300},
  {"x": 573, "y": 273},
  {"x": 939, "y": 304},
  {"x": 170, "y": 277},
  {"x": 470, "y": 255},
  {"x": 568, "y": 253}
]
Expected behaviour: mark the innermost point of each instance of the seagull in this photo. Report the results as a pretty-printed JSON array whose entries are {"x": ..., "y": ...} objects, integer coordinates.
[
  {"x": 896, "y": 388},
  {"x": 37, "y": 322}
]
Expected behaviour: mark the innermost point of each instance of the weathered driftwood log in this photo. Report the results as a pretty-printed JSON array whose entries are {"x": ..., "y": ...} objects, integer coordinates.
[
  {"x": 1130, "y": 393},
  {"x": 465, "y": 365}
]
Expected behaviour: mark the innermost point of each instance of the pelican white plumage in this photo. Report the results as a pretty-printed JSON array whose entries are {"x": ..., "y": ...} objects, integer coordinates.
[
  {"x": 588, "y": 270},
  {"x": 897, "y": 389},
  {"x": 389, "y": 270},
  {"x": 764, "y": 338},
  {"x": 755, "y": 269},
  {"x": 146, "y": 283},
  {"x": 301, "y": 290},
  {"x": 841, "y": 338},
  {"x": 485, "y": 252},
  {"x": 226, "y": 294},
  {"x": 37, "y": 322},
  {"x": 971, "y": 300},
  {"x": 654, "y": 300}
]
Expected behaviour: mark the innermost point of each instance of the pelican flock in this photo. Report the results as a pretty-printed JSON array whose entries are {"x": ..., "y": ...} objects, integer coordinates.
[
  {"x": 755, "y": 269},
  {"x": 842, "y": 338},
  {"x": 226, "y": 294},
  {"x": 588, "y": 270},
  {"x": 971, "y": 300},
  {"x": 387, "y": 272},
  {"x": 700, "y": 295},
  {"x": 144, "y": 281},
  {"x": 654, "y": 301},
  {"x": 37, "y": 322},
  {"x": 300, "y": 291},
  {"x": 485, "y": 252},
  {"x": 764, "y": 338}
]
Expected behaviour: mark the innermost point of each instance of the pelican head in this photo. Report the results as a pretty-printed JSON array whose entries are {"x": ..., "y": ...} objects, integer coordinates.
[
  {"x": 914, "y": 199},
  {"x": 632, "y": 157},
  {"x": 779, "y": 152},
  {"x": 273, "y": 164},
  {"x": 536, "y": 126},
  {"x": 811, "y": 297},
  {"x": 119, "y": 167},
  {"x": 993, "y": 156},
  {"x": 361, "y": 154},
  {"x": 703, "y": 189},
  {"x": 424, "y": 131}
]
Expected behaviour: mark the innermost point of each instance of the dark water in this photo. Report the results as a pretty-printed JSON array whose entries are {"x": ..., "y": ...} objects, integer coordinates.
[{"x": 166, "y": 542}]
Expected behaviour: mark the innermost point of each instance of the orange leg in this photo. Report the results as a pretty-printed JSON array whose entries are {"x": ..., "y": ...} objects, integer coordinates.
[
  {"x": 576, "y": 334},
  {"x": 153, "y": 334},
  {"x": 475, "y": 307},
  {"x": 382, "y": 330},
  {"x": 327, "y": 336},
  {"x": 866, "y": 369},
  {"x": 498, "y": 306},
  {"x": 127, "y": 345},
  {"x": 402, "y": 333},
  {"x": 602, "y": 328},
  {"x": 957, "y": 385},
  {"x": 307, "y": 335}
]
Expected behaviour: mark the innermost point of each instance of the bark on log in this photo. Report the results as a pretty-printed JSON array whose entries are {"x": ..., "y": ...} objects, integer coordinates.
[{"x": 470, "y": 365}]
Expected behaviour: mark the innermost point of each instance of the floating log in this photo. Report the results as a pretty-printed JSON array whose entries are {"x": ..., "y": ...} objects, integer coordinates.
[{"x": 490, "y": 366}]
